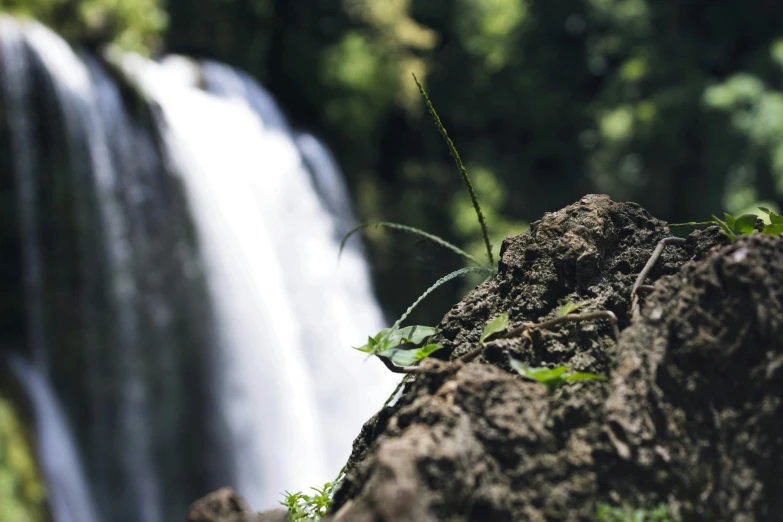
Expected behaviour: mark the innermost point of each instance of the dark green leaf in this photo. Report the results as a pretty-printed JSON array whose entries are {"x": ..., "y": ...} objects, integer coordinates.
[
  {"x": 726, "y": 230},
  {"x": 745, "y": 224},
  {"x": 498, "y": 324},
  {"x": 730, "y": 220}
]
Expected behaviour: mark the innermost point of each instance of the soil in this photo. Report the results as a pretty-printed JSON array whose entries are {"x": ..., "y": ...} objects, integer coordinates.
[{"x": 690, "y": 419}]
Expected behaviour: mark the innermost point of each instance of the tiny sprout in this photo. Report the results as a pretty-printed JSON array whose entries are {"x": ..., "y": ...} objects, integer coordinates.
[
  {"x": 498, "y": 324},
  {"x": 553, "y": 378}
]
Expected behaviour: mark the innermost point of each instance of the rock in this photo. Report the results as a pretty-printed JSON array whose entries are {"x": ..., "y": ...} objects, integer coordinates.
[
  {"x": 690, "y": 418},
  {"x": 224, "y": 505}
]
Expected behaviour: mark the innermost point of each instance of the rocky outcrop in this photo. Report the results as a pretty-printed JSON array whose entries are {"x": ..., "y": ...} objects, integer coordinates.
[{"x": 689, "y": 419}]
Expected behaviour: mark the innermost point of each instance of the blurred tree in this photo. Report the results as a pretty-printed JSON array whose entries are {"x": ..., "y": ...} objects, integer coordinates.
[
  {"x": 134, "y": 25},
  {"x": 675, "y": 105}
]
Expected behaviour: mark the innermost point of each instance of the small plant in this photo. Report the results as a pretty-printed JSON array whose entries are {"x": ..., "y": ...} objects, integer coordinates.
[
  {"x": 497, "y": 325},
  {"x": 395, "y": 346},
  {"x": 553, "y": 378},
  {"x": 310, "y": 508},
  {"x": 743, "y": 225},
  {"x": 607, "y": 513}
]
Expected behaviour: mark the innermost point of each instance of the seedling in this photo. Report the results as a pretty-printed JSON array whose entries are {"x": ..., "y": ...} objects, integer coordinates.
[
  {"x": 553, "y": 378},
  {"x": 310, "y": 508},
  {"x": 493, "y": 327},
  {"x": 395, "y": 346},
  {"x": 497, "y": 325},
  {"x": 744, "y": 225}
]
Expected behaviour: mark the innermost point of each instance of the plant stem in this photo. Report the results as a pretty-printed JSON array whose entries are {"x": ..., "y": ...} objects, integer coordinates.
[
  {"x": 546, "y": 325},
  {"x": 462, "y": 170},
  {"x": 646, "y": 270}
]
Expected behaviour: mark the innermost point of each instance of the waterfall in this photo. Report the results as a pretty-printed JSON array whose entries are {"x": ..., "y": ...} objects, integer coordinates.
[
  {"x": 69, "y": 496},
  {"x": 178, "y": 246}
]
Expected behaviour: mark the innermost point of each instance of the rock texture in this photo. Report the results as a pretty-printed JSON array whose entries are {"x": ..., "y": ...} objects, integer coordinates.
[
  {"x": 224, "y": 505},
  {"x": 691, "y": 417}
]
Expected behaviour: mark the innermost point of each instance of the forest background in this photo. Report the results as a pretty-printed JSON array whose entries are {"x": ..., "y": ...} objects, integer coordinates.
[{"x": 675, "y": 105}]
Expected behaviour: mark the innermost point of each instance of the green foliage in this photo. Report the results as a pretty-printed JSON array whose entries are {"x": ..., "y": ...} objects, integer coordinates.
[
  {"x": 744, "y": 225},
  {"x": 498, "y": 324},
  {"x": 553, "y": 378},
  {"x": 22, "y": 494},
  {"x": 398, "y": 344},
  {"x": 310, "y": 508},
  {"x": 552, "y": 100},
  {"x": 607, "y": 513},
  {"x": 134, "y": 25}
]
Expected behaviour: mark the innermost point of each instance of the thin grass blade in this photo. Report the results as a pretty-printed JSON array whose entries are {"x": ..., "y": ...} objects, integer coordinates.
[
  {"x": 462, "y": 170},
  {"x": 411, "y": 230},
  {"x": 439, "y": 282}
]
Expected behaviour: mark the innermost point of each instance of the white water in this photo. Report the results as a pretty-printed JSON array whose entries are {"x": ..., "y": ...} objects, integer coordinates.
[
  {"x": 293, "y": 393},
  {"x": 69, "y": 495},
  {"x": 283, "y": 395}
]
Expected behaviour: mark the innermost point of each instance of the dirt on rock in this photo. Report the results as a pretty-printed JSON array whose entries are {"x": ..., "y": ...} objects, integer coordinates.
[{"x": 691, "y": 417}]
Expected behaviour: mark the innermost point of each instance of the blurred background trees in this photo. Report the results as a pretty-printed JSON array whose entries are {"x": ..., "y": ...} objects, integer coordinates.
[{"x": 675, "y": 105}]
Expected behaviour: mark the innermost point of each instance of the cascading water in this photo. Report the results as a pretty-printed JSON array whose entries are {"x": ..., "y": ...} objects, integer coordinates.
[
  {"x": 179, "y": 250},
  {"x": 69, "y": 498}
]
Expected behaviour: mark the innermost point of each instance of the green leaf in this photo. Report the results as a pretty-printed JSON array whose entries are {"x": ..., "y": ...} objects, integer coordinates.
[
  {"x": 498, "y": 324},
  {"x": 775, "y": 219},
  {"x": 730, "y": 220},
  {"x": 581, "y": 376},
  {"x": 401, "y": 356},
  {"x": 412, "y": 334},
  {"x": 773, "y": 230},
  {"x": 726, "y": 229},
  {"x": 373, "y": 342},
  {"x": 745, "y": 224},
  {"x": 427, "y": 350},
  {"x": 568, "y": 308},
  {"x": 553, "y": 378},
  {"x": 394, "y": 337}
]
